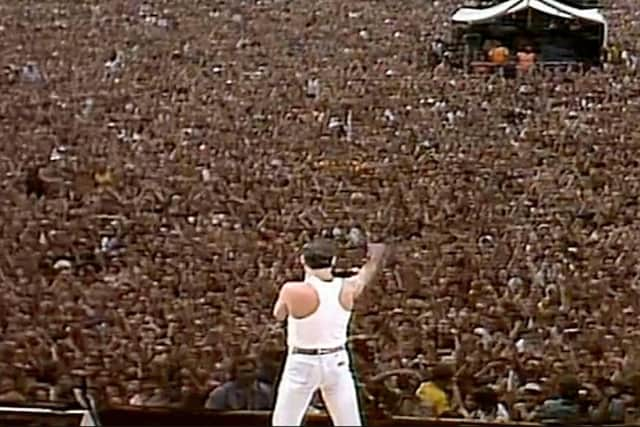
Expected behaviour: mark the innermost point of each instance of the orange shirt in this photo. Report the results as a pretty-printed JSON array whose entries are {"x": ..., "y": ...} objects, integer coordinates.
[{"x": 499, "y": 55}]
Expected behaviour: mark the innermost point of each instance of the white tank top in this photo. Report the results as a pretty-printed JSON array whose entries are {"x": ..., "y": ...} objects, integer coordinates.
[{"x": 327, "y": 327}]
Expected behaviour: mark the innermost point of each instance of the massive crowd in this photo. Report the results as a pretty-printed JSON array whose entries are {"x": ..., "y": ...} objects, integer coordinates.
[{"x": 163, "y": 162}]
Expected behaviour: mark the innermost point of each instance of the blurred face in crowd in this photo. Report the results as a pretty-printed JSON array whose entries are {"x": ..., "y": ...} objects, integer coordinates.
[
  {"x": 246, "y": 374},
  {"x": 470, "y": 403},
  {"x": 532, "y": 398},
  {"x": 113, "y": 395},
  {"x": 533, "y": 367},
  {"x": 407, "y": 385}
]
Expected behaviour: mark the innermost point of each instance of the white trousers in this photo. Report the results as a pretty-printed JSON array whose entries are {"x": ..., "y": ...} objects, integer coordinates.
[{"x": 303, "y": 375}]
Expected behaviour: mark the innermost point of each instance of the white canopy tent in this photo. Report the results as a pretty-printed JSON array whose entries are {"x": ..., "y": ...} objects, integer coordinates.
[{"x": 549, "y": 7}]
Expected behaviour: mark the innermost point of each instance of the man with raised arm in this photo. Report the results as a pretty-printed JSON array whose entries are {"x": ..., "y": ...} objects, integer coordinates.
[{"x": 318, "y": 311}]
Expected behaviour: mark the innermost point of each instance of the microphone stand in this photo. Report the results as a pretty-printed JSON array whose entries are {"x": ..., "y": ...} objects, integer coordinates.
[{"x": 87, "y": 402}]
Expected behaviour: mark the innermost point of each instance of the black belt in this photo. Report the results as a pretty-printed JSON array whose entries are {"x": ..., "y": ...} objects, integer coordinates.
[{"x": 316, "y": 351}]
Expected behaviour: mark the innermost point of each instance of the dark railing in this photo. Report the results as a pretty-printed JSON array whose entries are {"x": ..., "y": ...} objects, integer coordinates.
[{"x": 129, "y": 416}]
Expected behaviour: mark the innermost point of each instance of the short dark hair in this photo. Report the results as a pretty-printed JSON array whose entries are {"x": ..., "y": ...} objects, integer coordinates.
[
  {"x": 241, "y": 361},
  {"x": 319, "y": 253},
  {"x": 442, "y": 372},
  {"x": 485, "y": 397},
  {"x": 569, "y": 387}
]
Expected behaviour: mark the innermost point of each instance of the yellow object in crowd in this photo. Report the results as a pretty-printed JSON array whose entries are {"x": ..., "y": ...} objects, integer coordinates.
[
  {"x": 499, "y": 55},
  {"x": 433, "y": 396},
  {"x": 104, "y": 178}
]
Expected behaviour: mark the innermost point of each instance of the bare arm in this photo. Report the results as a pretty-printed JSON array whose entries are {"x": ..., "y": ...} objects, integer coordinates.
[
  {"x": 458, "y": 401},
  {"x": 369, "y": 270},
  {"x": 280, "y": 309}
]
